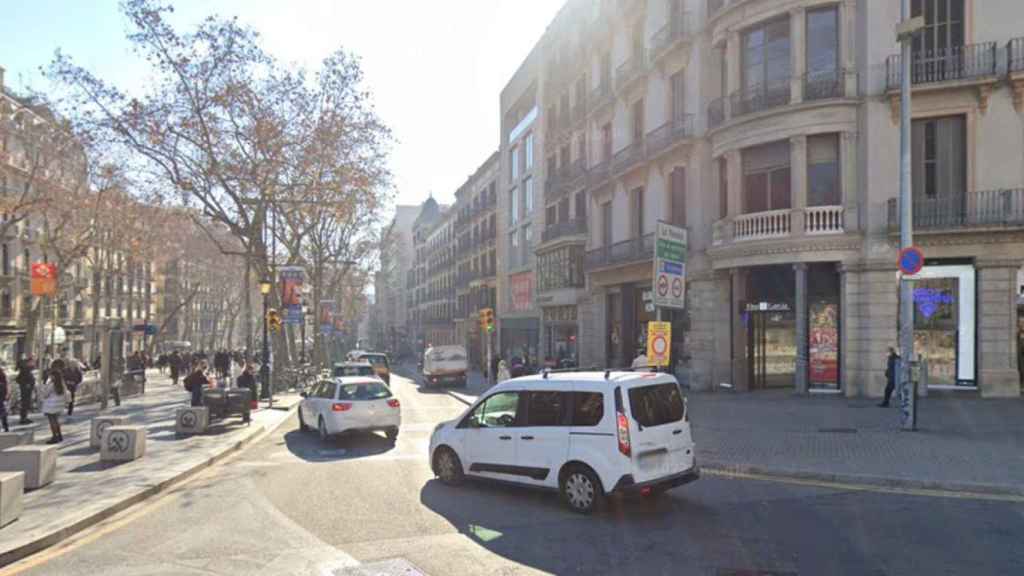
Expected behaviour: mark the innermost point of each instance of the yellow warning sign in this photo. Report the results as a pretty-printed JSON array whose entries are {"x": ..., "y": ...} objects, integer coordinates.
[{"x": 659, "y": 343}]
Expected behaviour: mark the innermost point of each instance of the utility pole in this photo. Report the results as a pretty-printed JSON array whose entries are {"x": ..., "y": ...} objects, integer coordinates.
[{"x": 904, "y": 33}]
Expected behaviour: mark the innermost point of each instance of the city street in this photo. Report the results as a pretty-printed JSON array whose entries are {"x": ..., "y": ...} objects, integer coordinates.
[{"x": 289, "y": 505}]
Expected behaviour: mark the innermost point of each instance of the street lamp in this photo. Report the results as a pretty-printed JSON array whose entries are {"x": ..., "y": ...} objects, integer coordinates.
[{"x": 266, "y": 285}]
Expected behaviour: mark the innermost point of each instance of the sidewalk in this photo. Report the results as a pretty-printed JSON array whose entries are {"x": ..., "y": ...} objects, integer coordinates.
[{"x": 86, "y": 491}]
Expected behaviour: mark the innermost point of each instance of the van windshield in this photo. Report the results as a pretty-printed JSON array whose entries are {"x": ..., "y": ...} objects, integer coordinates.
[
  {"x": 656, "y": 404},
  {"x": 447, "y": 356}
]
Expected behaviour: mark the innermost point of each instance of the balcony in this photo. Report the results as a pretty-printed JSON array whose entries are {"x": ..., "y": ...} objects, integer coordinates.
[
  {"x": 1015, "y": 56},
  {"x": 620, "y": 253},
  {"x": 599, "y": 174},
  {"x": 716, "y": 113},
  {"x": 579, "y": 112},
  {"x": 955, "y": 63},
  {"x": 664, "y": 137},
  {"x": 630, "y": 71},
  {"x": 780, "y": 224},
  {"x": 672, "y": 35},
  {"x": 564, "y": 229},
  {"x": 824, "y": 84},
  {"x": 761, "y": 97},
  {"x": 986, "y": 209},
  {"x": 600, "y": 97},
  {"x": 628, "y": 157}
]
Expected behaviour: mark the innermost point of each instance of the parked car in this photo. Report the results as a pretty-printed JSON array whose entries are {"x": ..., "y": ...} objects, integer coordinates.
[
  {"x": 586, "y": 434},
  {"x": 379, "y": 361},
  {"x": 351, "y": 404},
  {"x": 445, "y": 364},
  {"x": 343, "y": 369}
]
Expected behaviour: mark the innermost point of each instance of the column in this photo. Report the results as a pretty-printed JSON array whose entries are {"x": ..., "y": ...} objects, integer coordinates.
[
  {"x": 797, "y": 54},
  {"x": 734, "y": 180},
  {"x": 848, "y": 180},
  {"x": 800, "y": 377},
  {"x": 846, "y": 386},
  {"x": 740, "y": 368},
  {"x": 996, "y": 328},
  {"x": 847, "y": 45},
  {"x": 732, "y": 58},
  {"x": 798, "y": 181}
]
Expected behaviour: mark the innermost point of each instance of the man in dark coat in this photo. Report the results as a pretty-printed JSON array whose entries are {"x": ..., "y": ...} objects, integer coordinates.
[
  {"x": 891, "y": 363},
  {"x": 26, "y": 379}
]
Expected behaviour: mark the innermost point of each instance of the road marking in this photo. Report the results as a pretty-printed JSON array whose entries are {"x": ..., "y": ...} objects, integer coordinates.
[{"x": 852, "y": 487}]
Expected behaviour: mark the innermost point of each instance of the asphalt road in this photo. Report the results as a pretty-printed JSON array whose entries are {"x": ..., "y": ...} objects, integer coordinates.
[{"x": 289, "y": 505}]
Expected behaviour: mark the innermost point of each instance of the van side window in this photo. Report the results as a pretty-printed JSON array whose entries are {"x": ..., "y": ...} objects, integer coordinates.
[
  {"x": 545, "y": 408},
  {"x": 498, "y": 411},
  {"x": 588, "y": 408}
]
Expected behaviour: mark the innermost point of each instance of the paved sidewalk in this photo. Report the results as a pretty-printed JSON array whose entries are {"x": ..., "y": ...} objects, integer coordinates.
[{"x": 86, "y": 491}]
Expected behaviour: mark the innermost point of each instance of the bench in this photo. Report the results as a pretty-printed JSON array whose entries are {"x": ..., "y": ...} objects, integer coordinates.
[
  {"x": 19, "y": 438},
  {"x": 39, "y": 463},
  {"x": 123, "y": 443},
  {"x": 12, "y": 486},
  {"x": 191, "y": 420},
  {"x": 100, "y": 424}
]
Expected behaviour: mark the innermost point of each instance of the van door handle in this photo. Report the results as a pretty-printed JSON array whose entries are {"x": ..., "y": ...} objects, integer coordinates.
[
  {"x": 504, "y": 437},
  {"x": 674, "y": 432},
  {"x": 527, "y": 437}
]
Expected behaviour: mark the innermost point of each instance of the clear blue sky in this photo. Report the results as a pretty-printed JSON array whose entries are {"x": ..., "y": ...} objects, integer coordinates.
[{"x": 435, "y": 67}]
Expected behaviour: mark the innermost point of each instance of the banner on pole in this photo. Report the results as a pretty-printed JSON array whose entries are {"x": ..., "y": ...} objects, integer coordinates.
[
  {"x": 327, "y": 317},
  {"x": 292, "y": 278},
  {"x": 44, "y": 279}
]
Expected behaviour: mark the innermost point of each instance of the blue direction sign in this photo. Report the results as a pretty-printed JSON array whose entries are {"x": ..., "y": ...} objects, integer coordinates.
[{"x": 911, "y": 260}]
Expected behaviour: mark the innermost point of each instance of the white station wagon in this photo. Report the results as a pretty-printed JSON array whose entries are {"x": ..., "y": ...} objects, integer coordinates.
[{"x": 585, "y": 434}]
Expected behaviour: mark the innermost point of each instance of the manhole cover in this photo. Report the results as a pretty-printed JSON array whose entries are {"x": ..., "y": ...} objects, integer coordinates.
[
  {"x": 393, "y": 567},
  {"x": 838, "y": 430}
]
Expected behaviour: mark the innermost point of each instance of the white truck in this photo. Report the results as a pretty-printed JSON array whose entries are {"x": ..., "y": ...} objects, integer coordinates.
[{"x": 445, "y": 364}]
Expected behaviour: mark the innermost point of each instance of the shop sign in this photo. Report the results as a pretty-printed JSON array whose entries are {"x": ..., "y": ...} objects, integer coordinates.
[
  {"x": 659, "y": 343},
  {"x": 767, "y": 307},
  {"x": 669, "y": 288},
  {"x": 521, "y": 288}
]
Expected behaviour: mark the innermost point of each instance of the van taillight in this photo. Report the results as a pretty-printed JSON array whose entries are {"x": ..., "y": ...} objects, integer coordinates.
[
  {"x": 340, "y": 406},
  {"x": 623, "y": 430}
]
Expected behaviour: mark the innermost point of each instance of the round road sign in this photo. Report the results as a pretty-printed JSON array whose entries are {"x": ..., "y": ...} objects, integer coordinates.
[
  {"x": 659, "y": 345},
  {"x": 677, "y": 287},
  {"x": 662, "y": 285},
  {"x": 911, "y": 260}
]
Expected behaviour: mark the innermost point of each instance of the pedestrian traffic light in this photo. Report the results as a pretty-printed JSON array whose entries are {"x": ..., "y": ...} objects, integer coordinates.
[
  {"x": 273, "y": 320},
  {"x": 487, "y": 320}
]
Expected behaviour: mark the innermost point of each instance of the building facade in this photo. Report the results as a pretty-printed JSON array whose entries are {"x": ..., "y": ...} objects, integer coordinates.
[{"x": 391, "y": 288}]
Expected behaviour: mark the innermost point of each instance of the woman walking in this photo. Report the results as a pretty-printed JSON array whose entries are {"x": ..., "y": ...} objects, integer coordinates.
[{"x": 54, "y": 395}]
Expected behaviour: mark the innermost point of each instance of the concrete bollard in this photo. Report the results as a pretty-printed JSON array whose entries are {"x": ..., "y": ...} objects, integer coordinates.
[
  {"x": 123, "y": 443},
  {"x": 19, "y": 438},
  {"x": 191, "y": 420},
  {"x": 39, "y": 463},
  {"x": 12, "y": 486},
  {"x": 100, "y": 424}
]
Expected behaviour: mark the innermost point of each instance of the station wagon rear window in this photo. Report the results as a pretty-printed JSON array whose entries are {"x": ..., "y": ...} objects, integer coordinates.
[
  {"x": 363, "y": 391},
  {"x": 656, "y": 404}
]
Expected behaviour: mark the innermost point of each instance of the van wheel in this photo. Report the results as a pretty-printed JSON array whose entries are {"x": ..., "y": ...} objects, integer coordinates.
[
  {"x": 581, "y": 490},
  {"x": 447, "y": 466}
]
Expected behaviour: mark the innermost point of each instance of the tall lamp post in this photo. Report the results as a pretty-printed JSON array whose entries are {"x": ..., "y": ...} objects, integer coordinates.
[{"x": 266, "y": 285}]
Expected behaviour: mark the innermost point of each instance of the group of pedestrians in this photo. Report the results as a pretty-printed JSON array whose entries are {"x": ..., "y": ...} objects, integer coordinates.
[
  {"x": 60, "y": 381},
  {"x": 199, "y": 379}
]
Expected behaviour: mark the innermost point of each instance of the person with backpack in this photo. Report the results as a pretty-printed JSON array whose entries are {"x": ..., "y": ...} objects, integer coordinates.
[
  {"x": 196, "y": 382},
  {"x": 53, "y": 395},
  {"x": 73, "y": 376}
]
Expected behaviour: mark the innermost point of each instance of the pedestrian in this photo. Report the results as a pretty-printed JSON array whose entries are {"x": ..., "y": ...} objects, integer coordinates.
[
  {"x": 890, "y": 375},
  {"x": 73, "y": 376},
  {"x": 174, "y": 365},
  {"x": 503, "y": 373},
  {"x": 640, "y": 360},
  {"x": 26, "y": 379},
  {"x": 247, "y": 379},
  {"x": 54, "y": 394},
  {"x": 5, "y": 398},
  {"x": 196, "y": 382}
]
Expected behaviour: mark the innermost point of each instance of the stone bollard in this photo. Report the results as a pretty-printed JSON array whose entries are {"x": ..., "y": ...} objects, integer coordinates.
[
  {"x": 39, "y": 463},
  {"x": 191, "y": 420},
  {"x": 12, "y": 486},
  {"x": 123, "y": 443},
  {"x": 19, "y": 438},
  {"x": 100, "y": 424}
]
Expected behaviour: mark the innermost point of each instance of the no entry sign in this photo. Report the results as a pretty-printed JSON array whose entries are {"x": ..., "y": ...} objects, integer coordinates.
[{"x": 911, "y": 260}]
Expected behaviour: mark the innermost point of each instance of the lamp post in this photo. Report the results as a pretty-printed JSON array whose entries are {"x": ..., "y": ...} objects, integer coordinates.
[
  {"x": 303, "y": 334},
  {"x": 266, "y": 285}
]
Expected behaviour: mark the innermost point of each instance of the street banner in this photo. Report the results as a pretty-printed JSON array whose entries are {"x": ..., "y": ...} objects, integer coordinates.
[
  {"x": 327, "y": 317},
  {"x": 44, "y": 279},
  {"x": 292, "y": 278},
  {"x": 659, "y": 343},
  {"x": 670, "y": 266}
]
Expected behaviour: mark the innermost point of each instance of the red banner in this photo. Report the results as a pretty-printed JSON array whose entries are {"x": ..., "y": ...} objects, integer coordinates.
[
  {"x": 44, "y": 279},
  {"x": 521, "y": 287}
]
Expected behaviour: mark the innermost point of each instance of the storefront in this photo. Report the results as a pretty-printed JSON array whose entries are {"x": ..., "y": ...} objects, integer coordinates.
[
  {"x": 560, "y": 335},
  {"x": 944, "y": 324},
  {"x": 629, "y": 308},
  {"x": 520, "y": 338}
]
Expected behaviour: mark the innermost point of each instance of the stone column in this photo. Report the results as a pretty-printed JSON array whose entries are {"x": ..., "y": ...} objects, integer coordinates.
[
  {"x": 739, "y": 332},
  {"x": 848, "y": 180},
  {"x": 997, "y": 330},
  {"x": 798, "y": 181},
  {"x": 846, "y": 385},
  {"x": 800, "y": 377},
  {"x": 734, "y": 177},
  {"x": 797, "y": 54},
  {"x": 847, "y": 46}
]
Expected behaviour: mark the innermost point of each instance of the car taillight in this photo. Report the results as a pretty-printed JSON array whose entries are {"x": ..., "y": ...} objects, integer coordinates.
[
  {"x": 623, "y": 429},
  {"x": 340, "y": 406},
  {"x": 393, "y": 403}
]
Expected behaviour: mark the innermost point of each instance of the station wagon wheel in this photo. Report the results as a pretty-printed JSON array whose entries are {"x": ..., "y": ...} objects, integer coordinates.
[
  {"x": 302, "y": 423},
  {"x": 581, "y": 490},
  {"x": 447, "y": 466},
  {"x": 322, "y": 429}
]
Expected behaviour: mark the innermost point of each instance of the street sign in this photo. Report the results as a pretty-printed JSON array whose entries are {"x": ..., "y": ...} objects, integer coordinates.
[
  {"x": 670, "y": 266},
  {"x": 659, "y": 343},
  {"x": 911, "y": 260}
]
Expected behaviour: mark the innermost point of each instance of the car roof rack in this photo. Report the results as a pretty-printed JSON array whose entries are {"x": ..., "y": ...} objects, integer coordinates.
[
  {"x": 545, "y": 371},
  {"x": 644, "y": 368}
]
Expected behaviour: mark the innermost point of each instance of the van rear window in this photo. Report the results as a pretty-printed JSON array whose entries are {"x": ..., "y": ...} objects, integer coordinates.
[{"x": 656, "y": 404}]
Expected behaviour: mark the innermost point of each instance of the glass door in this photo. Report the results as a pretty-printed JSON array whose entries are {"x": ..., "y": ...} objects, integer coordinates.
[{"x": 936, "y": 323}]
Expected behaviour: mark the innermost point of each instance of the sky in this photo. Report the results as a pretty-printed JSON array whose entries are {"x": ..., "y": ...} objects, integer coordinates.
[{"x": 435, "y": 68}]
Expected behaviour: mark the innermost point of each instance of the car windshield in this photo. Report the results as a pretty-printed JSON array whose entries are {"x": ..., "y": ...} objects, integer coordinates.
[
  {"x": 377, "y": 360},
  {"x": 363, "y": 391}
]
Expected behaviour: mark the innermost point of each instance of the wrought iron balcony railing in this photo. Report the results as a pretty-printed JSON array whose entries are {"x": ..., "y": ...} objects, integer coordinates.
[
  {"x": 952, "y": 63},
  {"x": 625, "y": 252},
  {"x": 981, "y": 209}
]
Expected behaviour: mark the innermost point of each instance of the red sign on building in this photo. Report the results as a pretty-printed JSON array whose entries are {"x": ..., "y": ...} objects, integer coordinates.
[{"x": 521, "y": 287}]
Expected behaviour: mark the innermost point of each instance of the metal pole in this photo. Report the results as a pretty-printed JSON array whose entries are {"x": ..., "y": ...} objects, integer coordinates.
[
  {"x": 264, "y": 367},
  {"x": 907, "y": 413}
]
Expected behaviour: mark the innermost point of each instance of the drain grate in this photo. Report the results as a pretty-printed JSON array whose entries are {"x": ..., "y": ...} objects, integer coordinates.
[{"x": 838, "y": 430}]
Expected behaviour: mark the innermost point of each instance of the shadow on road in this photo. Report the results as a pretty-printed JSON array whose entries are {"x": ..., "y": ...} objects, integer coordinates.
[{"x": 307, "y": 445}]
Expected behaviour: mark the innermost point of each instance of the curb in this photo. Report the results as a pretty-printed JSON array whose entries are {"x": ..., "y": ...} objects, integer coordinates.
[
  {"x": 21, "y": 552},
  {"x": 962, "y": 489}
]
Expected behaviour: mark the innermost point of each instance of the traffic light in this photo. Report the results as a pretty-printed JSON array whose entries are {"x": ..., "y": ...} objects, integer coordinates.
[
  {"x": 273, "y": 320},
  {"x": 487, "y": 320}
]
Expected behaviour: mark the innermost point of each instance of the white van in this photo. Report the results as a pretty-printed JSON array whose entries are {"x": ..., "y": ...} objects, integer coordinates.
[
  {"x": 445, "y": 364},
  {"x": 585, "y": 434}
]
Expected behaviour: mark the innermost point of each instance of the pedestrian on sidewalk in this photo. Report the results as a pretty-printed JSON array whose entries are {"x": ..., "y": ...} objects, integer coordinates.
[
  {"x": 26, "y": 379},
  {"x": 5, "y": 398},
  {"x": 196, "y": 382},
  {"x": 890, "y": 376},
  {"x": 174, "y": 363},
  {"x": 54, "y": 395},
  {"x": 503, "y": 372},
  {"x": 73, "y": 376},
  {"x": 247, "y": 379}
]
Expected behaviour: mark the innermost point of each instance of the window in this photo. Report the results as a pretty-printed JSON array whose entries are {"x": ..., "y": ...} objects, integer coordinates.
[
  {"x": 723, "y": 188},
  {"x": 5, "y": 260},
  {"x": 563, "y": 210},
  {"x": 677, "y": 182},
  {"x": 606, "y": 142},
  {"x": 513, "y": 239},
  {"x": 528, "y": 145},
  {"x": 822, "y": 53},
  {"x": 606, "y": 224},
  {"x": 823, "y": 170},
  {"x": 552, "y": 166},
  {"x": 527, "y": 242},
  {"x": 678, "y": 101},
  {"x": 938, "y": 160},
  {"x": 528, "y": 195},
  {"x": 551, "y": 216},
  {"x": 514, "y": 212},
  {"x": 587, "y": 408},
  {"x": 545, "y": 408},
  {"x": 581, "y": 206},
  {"x": 498, "y": 411},
  {"x": 638, "y": 41},
  {"x": 766, "y": 183},
  {"x": 325, "y": 390},
  {"x": 513, "y": 164},
  {"x": 606, "y": 70},
  {"x": 943, "y": 33},
  {"x": 365, "y": 391},
  {"x": 638, "y": 121},
  {"x": 560, "y": 268},
  {"x": 766, "y": 60},
  {"x": 638, "y": 212},
  {"x": 581, "y": 149},
  {"x": 563, "y": 156},
  {"x": 657, "y": 404}
]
